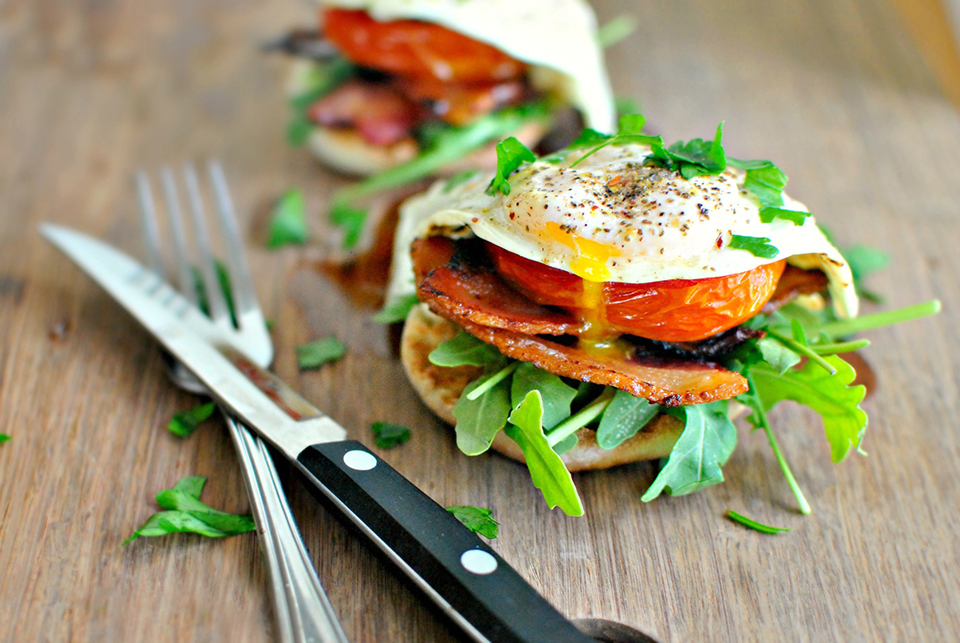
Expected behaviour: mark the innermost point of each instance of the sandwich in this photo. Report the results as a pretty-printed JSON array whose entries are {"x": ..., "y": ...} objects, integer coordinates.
[
  {"x": 616, "y": 301},
  {"x": 401, "y": 90}
]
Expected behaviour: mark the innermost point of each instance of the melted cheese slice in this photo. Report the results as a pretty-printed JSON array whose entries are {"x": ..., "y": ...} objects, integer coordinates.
[
  {"x": 611, "y": 218},
  {"x": 558, "y": 38}
]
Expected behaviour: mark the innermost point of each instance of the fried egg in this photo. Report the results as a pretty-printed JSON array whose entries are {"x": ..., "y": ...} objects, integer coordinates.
[
  {"x": 613, "y": 219},
  {"x": 558, "y": 38}
]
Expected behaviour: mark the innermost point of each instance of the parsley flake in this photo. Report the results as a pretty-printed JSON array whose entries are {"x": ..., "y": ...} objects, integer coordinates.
[
  {"x": 183, "y": 424},
  {"x": 753, "y": 524},
  {"x": 317, "y": 353},
  {"x": 477, "y": 519},
  {"x": 4, "y": 437},
  {"x": 186, "y": 513},
  {"x": 757, "y": 246},
  {"x": 511, "y": 154},
  {"x": 387, "y": 435},
  {"x": 288, "y": 224}
]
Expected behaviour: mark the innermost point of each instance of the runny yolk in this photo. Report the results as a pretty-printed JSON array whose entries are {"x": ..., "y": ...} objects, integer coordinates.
[{"x": 590, "y": 265}]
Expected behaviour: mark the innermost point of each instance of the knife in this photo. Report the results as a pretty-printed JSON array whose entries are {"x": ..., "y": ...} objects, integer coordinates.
[{"x": 470, "y": 583}]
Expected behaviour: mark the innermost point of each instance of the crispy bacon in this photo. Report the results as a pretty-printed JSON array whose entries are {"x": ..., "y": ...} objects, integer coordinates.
[
  {"x": 456, "y": 284},
  {"x": 380, "y": 114},
  {"x": 459, "y": 287}
]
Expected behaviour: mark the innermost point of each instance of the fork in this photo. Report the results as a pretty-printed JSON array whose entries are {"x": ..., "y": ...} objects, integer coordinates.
[{"x": 303, "y": 611}]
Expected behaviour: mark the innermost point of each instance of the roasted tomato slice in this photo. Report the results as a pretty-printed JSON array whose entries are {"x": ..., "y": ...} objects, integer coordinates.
[
  {"x": 417, "y": 49},
  {"x": 679, "y": 310}
]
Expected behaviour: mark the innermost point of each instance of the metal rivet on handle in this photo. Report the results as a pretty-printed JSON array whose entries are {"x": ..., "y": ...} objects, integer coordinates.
[
  {"x": 359, "y": 460},
  {"x": 478, "y": 561}
]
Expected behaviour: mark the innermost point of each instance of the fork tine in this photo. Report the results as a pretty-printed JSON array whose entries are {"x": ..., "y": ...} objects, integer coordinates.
[
  {"x": 187, "y": 287},
  {"x": 244, "y": 298},
  {"x": 148, "y": 220},
  {"x": 208, "y": 268}
]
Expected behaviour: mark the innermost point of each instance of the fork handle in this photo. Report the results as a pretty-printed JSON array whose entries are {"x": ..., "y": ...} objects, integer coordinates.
[
  {"x": 488, "y": 599},
  {"x": 302, "y": 609}
]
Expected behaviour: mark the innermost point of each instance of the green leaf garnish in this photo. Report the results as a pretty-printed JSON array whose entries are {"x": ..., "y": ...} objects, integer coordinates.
[
  {"x": 447, "y": 146},
  {"x": 765, "y": 180},
  {"x": 320, "y": 79},
  {"x": 223, "y": 278},
  {"x": 511, "y": 154},
  {"x": 298, "y": 130},
  {"x": 706, "y": 443},
  {"x": 183, "y": 424},
  {"x": 464, "y": 350},
  {"x": 476, "y": 519},
  {"x": 831, "y": 396},
  {"x": 387, "y": 435},
  {"x": 4, "y": 437},
  {"x": 623, "y": 418},
  {"x": 862, "y": 261},
  {"x": 317, "y": 353},
  {"x": 288, "y": 223},
  {"x": 845, "y": 327},
  {"x": 555, "y": 395},
  {"x": 779, "y": 357},
  {"x": 350, "y": 219},
  {"x": 796, "y": 217},
  {"x": 696, "y": 157},
  {"x": 186, "y": 513},
  {"x": 547, "y": 470},
  {"x": 753, "y": 524},
  {"x": 757, "y": 246},
  {"x": 479, "y": 420},
  {"x": 630, "y": 130},
  {"x": 396, "y": 310}
]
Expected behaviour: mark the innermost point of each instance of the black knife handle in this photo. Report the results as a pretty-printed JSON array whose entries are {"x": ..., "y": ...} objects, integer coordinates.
[{"x": 491, "y": 603}]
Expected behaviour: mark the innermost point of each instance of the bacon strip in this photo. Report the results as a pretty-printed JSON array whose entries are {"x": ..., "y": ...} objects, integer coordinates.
[
  {"x": 380, "y": 114},
  {"x": 456, "y": 285}
]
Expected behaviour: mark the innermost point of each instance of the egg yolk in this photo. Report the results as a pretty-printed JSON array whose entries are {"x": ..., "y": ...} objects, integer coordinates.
[
  {"x": 417, "y": 49},
  {"x": 677, "y": 310}
]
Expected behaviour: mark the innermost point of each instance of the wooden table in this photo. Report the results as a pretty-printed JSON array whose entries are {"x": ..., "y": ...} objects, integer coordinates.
[{"x": 833, "y": 90}]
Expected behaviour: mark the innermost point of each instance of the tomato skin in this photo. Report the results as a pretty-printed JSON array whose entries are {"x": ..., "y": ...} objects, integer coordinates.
[
  {"x": 678, "y": 310},
  {"x": 417, "y": 49}
]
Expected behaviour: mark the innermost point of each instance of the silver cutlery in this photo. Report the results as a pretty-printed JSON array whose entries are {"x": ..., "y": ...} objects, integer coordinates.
[
  {"x": 463, "y": 575},
  {"x": 302, "y": 609}
]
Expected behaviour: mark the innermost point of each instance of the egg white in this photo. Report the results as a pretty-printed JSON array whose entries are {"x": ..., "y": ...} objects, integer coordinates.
[
  {"x": 558, "y": 38},
  {"x": 613, "y": 219}
]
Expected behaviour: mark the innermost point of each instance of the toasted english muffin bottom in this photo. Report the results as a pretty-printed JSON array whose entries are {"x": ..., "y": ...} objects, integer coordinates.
[{"x": 440, "y": 388}]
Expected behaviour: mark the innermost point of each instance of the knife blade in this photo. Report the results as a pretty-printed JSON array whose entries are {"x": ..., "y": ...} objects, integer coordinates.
[{"x": 460, "y": 573}]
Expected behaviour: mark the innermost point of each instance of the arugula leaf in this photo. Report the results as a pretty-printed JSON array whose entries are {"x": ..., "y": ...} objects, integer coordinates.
[
  {"x": 779, "y": 357},
  {"x": 288, "y": 224},
  {"x": 186, "y": 513},
  {"x": 183, "y": 424},
  {"x": 476, "y": 519},
  {"x": 547, "y": 470},
  {"x": 796, "y": 217},
  {"x": 693, "y": 158},
  {"x": 844, "y": 327},
  {"x": 589, "y": 138},
  {"x": 623, "y": 418},
  {"x": 387, "y": 435},
  {"x": 630, "y": 130},
  {"x": 479, "y": 420},
  {"x": 757, "y": 246},
  {"x": 511, "y": 154},
  {"x": 448, "y": 146},
  {"x": 396, "y": 310},
  {"x": 706, "y": 443},
  {"x": 753, "y": 524},
  {"x": 862, "y": 261},
  {"x": 350, "y": 219},
  {"x": 555, "y": 395},
  {"x": 4, "y": 437},
  {"x": 838, "y": 403},
  {"x": 464, "y": 350},
  {"x": 317, "y": 353}
]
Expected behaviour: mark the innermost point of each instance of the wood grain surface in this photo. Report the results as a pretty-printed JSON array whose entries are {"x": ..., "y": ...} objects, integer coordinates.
[{"x": 834, "y": 91}]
